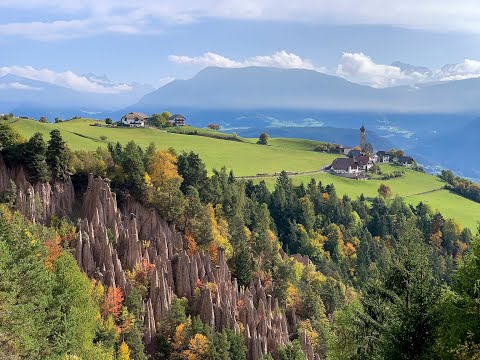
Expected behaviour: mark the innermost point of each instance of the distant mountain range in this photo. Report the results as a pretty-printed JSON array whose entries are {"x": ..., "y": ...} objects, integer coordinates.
[{"x": 261, "y": 87}]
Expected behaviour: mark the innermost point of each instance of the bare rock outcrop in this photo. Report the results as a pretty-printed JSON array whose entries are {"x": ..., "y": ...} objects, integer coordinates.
[
  {"x": 40, "y": 201},
  {"x": 113, "y": 238}
]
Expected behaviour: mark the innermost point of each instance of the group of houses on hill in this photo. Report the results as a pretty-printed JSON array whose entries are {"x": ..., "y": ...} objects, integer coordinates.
[
  {"x": 138, "y": 119},
  {"x": 361, "y": 158}
]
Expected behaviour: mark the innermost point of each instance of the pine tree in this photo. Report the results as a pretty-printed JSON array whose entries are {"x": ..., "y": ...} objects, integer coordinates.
[
  {"x": 35, "y": 159},
  {"x": 57, "y": 156}
]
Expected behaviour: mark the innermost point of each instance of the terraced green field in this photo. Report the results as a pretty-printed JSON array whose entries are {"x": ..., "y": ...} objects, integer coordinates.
[{"x": 247, "y": 158}]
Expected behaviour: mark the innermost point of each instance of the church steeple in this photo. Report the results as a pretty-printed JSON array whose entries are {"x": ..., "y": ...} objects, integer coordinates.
[{"x": 362, "y": 138}]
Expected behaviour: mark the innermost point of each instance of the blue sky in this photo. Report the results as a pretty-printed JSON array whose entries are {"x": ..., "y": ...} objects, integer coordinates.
[{"x": 156, "y": 41}]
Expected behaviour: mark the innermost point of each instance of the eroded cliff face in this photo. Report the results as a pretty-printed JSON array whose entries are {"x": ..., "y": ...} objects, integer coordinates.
[
  {"x": 40, "y": 201},
  {"x": 113, "y": 239}
]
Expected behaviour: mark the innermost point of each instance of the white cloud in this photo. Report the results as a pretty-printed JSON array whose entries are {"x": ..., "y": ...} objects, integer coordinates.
[
  {"x": 465, "y": 70},
  {"x": 280, "y": 59},
  {"x": 207, "y": 59},
  {"x": 360, "y": 68},
  {"x": 139, "y": 16},
  {"x": 18, "y": 86},
  {"x": 66, "y": 79}
]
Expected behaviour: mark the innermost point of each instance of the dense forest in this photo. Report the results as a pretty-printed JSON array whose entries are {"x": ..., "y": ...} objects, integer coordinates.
[{"x": 363, "y": 278}]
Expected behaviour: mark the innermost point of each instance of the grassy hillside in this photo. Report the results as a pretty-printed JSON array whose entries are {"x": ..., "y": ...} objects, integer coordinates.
[
  {"x": 247, "y": 158},
  {"x": 414, "y": 187}
]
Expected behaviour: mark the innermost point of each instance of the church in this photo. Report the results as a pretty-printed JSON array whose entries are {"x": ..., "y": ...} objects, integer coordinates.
[{"x": 365, "y": 147}]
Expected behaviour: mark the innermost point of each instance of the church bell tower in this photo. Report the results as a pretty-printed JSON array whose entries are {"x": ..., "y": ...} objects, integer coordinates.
[{"x": 362, "y": 137}]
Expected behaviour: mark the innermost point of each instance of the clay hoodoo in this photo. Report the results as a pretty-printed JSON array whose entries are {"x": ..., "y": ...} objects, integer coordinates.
[
  {"x": 38, "y": 202},
  {"x": 113, "y": 239}
]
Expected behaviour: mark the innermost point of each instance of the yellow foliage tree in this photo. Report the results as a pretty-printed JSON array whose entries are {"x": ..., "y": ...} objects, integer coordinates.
[
  {"x": 123, "y": 352},
  {"x": 220, "y": 235},
  {"x": 163, "y": 168},
  {"x": 197, "y": 348},
  {"x": 178, "y": 338},
  {"x": 293, "y": 297}
]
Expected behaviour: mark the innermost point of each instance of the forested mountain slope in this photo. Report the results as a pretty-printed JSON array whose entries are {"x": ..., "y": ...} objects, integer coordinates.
[{"x": 183, "y": 265}]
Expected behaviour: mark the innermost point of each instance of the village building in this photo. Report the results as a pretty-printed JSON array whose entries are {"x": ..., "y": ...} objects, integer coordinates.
[
  {"x": 406, "y": 161},
  {"x": 177, "y": 120},
  {"x": 353, "y": 153},
  {"x": 344, "y": 166},
  {"x": 383, "y": 156},
  {"x": 134, "y": 119},
  {"x": 364, "y": 162}
]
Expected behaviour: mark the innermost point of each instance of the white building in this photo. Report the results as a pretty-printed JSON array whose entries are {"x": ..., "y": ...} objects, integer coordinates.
[
  {"x": 134, "y": 119},
  {"x": 383, "y": 156},
  {"x": 345, "y": 166}
]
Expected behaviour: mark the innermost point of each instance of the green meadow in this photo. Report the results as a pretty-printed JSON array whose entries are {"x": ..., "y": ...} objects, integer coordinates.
[{"x": 246, "y": 158}]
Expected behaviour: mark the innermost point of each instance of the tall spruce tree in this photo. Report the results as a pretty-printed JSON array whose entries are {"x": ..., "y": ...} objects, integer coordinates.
[
  {"x": 57, "y": 156},
  {"x": 35, "y": 159}
]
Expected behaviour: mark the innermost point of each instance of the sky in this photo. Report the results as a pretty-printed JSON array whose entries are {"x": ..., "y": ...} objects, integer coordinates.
[{"x": 154, "y": 42}]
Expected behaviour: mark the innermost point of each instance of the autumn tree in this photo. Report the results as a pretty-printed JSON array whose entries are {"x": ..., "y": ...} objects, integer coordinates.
[
  {"x": 384, "y": 191},
  {"x": 163, "y": 168},
  {"x": 43, "y": 119},
  {"x": 197, "y": 348},
  {"x": 113, "y": 302},
  {"x": 123, "y": 352}
]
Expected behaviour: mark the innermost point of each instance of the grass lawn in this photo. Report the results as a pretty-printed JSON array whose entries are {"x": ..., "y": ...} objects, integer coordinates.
[{"x": 247, "y": 158}]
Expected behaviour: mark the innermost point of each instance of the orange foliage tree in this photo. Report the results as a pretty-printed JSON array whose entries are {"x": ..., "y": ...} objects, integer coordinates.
[
  {"x": 190, "y": 244},
  {"x": 112, "y": 303},
  {"x": 54, "y": 251}
]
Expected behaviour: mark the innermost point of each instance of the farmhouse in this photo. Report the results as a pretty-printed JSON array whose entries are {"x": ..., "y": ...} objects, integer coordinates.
[
  {"x": 134, "y": 119},
  {"x": 177, "y": 120},
  {"x": 344, "y": 166},
  {"x": 406, "y": 161},
  {"x": 383, "y": 156},
  {"x": 363, "y": 162}
]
